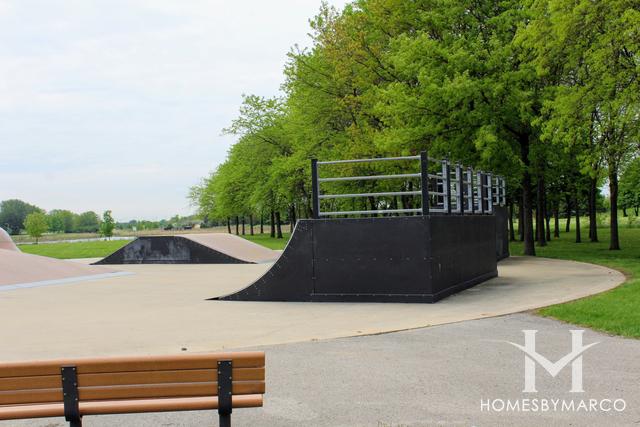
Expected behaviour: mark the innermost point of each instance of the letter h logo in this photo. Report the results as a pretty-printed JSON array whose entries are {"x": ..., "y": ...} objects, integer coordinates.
[{"x": 531, "y": 357}]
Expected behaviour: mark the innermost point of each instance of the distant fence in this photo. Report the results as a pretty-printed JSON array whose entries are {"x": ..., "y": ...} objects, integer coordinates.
[{"x": 445, "y": 188}]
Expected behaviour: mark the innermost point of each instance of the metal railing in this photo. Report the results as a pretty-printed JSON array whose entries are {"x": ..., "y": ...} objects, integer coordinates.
[{"x": 444, "y": 188}]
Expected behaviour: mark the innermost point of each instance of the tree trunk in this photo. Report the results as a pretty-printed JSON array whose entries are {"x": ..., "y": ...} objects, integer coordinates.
[
  {"x": 272, "y": 224},
  {"x": 292, "y": 218},
  {"x": 372, "y": 203},
  {"x": 512, "y": 233},
  {"x": 540, "y": 234},
  {"x": 237, "y": 225},
  {"x": 568, "y": 213},
  {"x": 251, "y": 224},
  {"x": 261, "y": 223},
  {"x": 278, "y": 225},
  {"x": 593, "y": 223},
  {"x": 614, "y": 243},
  {"x": 529, "y": 247},
  {"x": 556, "y": 220},
  {"x": 624, "y": 212},
  {"x": 229, "y": 224},
  {"x": 547, "y": 220},
  {"x": 521, "y": 221},
  {"x": 578, "y": 235},
  {"x": 243, "y": 225}
]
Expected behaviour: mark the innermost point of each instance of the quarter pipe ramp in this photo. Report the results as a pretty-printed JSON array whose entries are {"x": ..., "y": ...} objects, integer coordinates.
[{"x": 389, "y": 259}]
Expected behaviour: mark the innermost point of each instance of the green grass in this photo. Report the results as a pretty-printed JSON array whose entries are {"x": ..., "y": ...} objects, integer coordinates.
[
  {"x": 616, "y": 311},
  {"x": 102, "y": 248},
  {"x": 269, "y": 242},
  {"x": 64, "y": 250}
]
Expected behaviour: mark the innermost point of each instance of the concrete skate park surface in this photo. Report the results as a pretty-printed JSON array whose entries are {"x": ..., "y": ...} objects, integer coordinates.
[
  {"x": 162, "y": 309},
  {"x": 434, "y": 376},
  {"x": 20, "y": 270}
]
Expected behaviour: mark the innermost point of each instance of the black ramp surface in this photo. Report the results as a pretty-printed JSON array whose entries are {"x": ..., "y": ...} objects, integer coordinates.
[
  {"x": 364, "y": 256},
  {"x": 389, "y": 259},
  {"x": 167, "y": 250}
]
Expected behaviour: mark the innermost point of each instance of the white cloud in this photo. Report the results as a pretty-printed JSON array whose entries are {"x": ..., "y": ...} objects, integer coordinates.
[{"x": 120, "y": 104}]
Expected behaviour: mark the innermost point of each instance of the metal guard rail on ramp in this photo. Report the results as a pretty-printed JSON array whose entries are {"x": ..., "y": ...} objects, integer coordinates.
[{"x": 452, "y": 243}]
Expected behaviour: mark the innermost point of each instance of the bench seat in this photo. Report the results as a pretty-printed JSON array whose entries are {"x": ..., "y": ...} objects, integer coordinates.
[{"x": 74, "y": 388}]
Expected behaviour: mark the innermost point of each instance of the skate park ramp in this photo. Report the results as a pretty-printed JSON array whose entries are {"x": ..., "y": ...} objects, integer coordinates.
[
  {"x": 391, "y": 259},
  {"x": 206, "y": 248},
  {"x": 6, "y": 242},
  {"x": 20, "y": 270}
]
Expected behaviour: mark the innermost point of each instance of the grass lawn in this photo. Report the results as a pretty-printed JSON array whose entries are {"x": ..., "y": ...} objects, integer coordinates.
[
  {"x": 616, "y": 311},
  {"x": 93, "y": 249},
  {"x": 269, "y": 242}
]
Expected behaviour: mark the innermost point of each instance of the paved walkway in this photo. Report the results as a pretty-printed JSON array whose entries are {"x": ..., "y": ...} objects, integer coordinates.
[
  {"x": 434, "y": 376},
  {"x": 163, "y": 309}
]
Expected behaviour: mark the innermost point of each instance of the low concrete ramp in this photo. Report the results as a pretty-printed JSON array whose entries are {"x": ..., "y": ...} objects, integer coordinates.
[
  {"x": 18, "y": 269},
  {"x": 211, "y": 248},
  {"x": 6, "y": 242}
]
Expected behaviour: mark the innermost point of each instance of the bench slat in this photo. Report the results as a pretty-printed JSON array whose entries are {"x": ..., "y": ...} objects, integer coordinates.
[
  {"x": 150, "y": 377},
  {"x": 249, "y": 359},
  {"x": 127, "y": 407},
  {"x": 30, "y": 383},
  {"x": 160, "y": 377},
  {"x": 130, "y": 392}
]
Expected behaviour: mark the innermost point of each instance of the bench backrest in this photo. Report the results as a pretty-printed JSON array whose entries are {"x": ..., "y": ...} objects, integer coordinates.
[{"x": 192, "y": 375}]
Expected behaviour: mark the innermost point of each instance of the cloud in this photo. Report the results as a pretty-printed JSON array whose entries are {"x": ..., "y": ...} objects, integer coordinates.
[{"x": 120, "y": 104}]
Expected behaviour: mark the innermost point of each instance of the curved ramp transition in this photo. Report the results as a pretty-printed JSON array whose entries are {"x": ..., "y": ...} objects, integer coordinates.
[
  {"x": 388, "y": 259},
  {"x": 18, "y": 269}
]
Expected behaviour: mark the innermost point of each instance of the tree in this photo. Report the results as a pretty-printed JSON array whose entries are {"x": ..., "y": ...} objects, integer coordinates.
[
  {"x": 36, "y": 225},
  {"x": 107, "y": 225},
  {"x": 87, "y": 222},
  {"x": 590, "y": 50},
  {"x": 630, "y": 188},
  {"x": 62, "y": 221},
  {"x": 13, "y": 213}
]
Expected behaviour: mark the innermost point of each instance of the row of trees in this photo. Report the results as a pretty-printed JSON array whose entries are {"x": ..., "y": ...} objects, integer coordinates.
[
  {"x": 37, "y": 223},
  {"x": 14, "y": 212},
  {"x": 543, "y": 92}
]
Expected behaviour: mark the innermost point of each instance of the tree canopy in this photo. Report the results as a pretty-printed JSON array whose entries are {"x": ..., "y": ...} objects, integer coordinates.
[{"x": 544, "y": 92}]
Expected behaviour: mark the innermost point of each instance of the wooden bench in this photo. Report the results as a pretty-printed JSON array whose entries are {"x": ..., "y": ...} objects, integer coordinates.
[{"x": 123, "y": 385}]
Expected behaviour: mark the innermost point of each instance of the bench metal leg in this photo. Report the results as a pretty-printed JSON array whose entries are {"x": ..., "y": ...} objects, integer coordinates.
[
  {"x": 225, "y": 392},
  {"x": 225, "y": 420},
  {"x": 70, "y": 396}
]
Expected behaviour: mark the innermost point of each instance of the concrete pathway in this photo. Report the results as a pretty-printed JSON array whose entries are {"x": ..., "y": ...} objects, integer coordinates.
[
  {"x": 163, "y": 309},
  {"x": 436, "y": 376}
]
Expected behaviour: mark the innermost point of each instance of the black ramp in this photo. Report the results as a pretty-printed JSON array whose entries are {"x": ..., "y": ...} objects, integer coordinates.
[
  {"x": 168, "y": 250},
  {"x": 387, "y": 259}
]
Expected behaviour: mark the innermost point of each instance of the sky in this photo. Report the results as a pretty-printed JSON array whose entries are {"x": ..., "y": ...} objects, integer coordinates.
[{"x": 120, "y": 104}]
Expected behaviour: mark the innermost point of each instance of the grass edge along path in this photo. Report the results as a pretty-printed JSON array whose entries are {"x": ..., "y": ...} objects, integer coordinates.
[
  {"x": 73, "y": 250},
  {"x": 616, "y": 311}
]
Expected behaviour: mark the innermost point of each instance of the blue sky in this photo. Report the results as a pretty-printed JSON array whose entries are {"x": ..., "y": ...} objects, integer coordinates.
[{"x": 120, "y": 104}]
